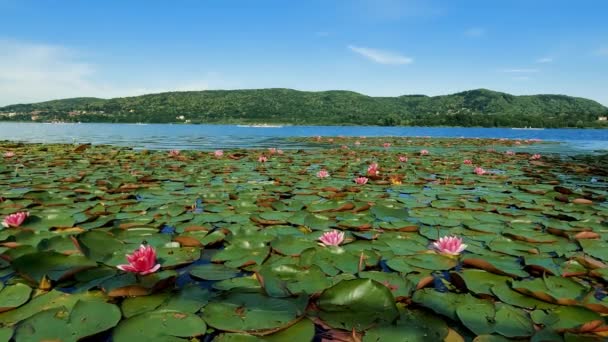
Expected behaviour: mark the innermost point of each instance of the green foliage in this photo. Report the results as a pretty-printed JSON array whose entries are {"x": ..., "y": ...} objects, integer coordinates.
[{"x": 479, "y": 107}]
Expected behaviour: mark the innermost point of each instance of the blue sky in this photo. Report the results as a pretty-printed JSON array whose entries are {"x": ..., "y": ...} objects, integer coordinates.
[{"x": 59, "y": 49}]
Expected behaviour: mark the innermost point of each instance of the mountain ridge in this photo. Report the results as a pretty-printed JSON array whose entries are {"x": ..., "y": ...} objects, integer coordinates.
[{"x": 477, "y": 107}]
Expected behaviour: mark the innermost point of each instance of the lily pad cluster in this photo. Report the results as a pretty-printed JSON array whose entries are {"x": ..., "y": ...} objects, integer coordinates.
[{"x": 241, "y": 256}]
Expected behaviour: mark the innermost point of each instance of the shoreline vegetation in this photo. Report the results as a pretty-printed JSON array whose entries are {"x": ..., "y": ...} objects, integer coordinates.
[
  {"x": 363, "y": 239},
  {"x": 281, "y": 107}
]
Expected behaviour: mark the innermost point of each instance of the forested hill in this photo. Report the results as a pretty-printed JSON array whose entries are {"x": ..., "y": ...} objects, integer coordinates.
[{"x": 479, "y": 107}]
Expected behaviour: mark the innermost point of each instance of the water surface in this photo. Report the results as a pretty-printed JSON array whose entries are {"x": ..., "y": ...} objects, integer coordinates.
[{"x": 207, "y": 137}]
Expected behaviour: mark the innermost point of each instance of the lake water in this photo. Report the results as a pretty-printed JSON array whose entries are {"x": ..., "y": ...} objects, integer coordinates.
[{"x": 207, "y": 137}]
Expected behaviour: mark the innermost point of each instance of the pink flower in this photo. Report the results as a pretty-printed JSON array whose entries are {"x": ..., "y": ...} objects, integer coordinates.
[
  {"x": 517, "y": 142},
  {"x": 403, "y": 159},
  {"x": 318, "y": 138},
  {"x": 344, "y": 147},
  {"x": 424, "y": 152},
  {"x": 330, "y": 140},
  {"x": 357, "y": 143},
  {"x": 386, "y": 145},
  {"x": 333, "y": 238},
  {"x": 467, "y": 162},
  {"x": 535, "y": 156},
  {"x": 218, "y": 153},
  {"x": 15, "y": 220},
  {"x": 9, "y": 154},
  {"x": 449, "y": 245},
  {"x": 142, "y": 261},
  {"x": 280, "y": 151},
  {"x": 373, "y": 169},
  {"x": 272, "y": 150},
  {"x": 510, "y": 153},
  {"x": 323, "y": 173},
  {"x": 174, "y": 153},
  {"x": 491, "y": 150},
  {"x": 263, "y": 159},
  {"x": 361, "y": 180},
  {"x": 480, "y": 171}
]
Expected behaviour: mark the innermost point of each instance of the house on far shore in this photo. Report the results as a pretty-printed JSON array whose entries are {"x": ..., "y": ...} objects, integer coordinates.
[{"x": 602, "y": 118}]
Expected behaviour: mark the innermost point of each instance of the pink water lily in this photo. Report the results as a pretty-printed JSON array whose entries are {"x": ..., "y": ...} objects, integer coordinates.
[
  {"x": 344, "y": 147},
  {"x": 480, "y": 171},
  {"x": 15, "y": 220},
  {"x": 272, "y": 150},
  {"x": 373, "y": 169},
  {"x": 449, "y": 245},
  {"x": 386, "y": 145},
  {"x": 424, "y": 152},
  {"x": 9, "y": 154},
  {"x": 361, "y": 180},
  {"x": 218, "y": 153},
  {"x": 333, "y": 238},
  {"x": 510, "y": 153},
  {"x": 174, "y": 153},
  {"x": 142, "y": 261},
  {"x": 279, "y": 151},
  {"x": 262, "y": 159},
  {"x": 403, "y": 159},
  {"x": 323, "y": 173},
  {"x": 357, "y": 143},
  {"x": 467, "y": 162},
  {"x": 331, "y": 140},
  {"x": 535, "y": 156}
]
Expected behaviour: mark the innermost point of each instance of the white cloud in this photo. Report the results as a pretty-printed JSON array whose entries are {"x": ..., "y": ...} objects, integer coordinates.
[
  {"x": 32, "y": 72},
  {"x": 381, "y": 56},
  {"x": 475, "y": 32},
  {"x": 520, "y": 71},
  {"x": 602, "y": 51},
  {"x": 544, "y": 60}
]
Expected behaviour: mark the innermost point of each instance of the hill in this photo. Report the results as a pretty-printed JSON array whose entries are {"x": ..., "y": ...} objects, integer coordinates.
[{"x": 480, "y": 107}]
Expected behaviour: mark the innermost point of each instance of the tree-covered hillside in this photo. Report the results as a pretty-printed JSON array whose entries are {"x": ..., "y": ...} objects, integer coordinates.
[{"x": 479, "y": 107}]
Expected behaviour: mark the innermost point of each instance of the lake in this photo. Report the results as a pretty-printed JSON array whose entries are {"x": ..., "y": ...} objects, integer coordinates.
[{"x": 206, "y": 137}]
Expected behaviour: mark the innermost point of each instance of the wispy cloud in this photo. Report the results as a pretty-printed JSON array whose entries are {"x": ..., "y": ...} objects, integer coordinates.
[
  {"x": 602, "y": 51},
  {"x": 475, "y": 32},
  {"x": 544, "y": 60},
  {"x": 34, "y": 72},
  {"x": 520, "y": 71},
  {"x": 381, "y": 56}
]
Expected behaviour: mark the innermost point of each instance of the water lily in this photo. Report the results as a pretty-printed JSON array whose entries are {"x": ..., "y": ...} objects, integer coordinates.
[
  {"x": 467, "y": 162},
  {"x": 535, "y": 156},
  {"x": 272, "y": 150},
  {"x": 323, "y": 173},
  {"x": 15, "y": 220},
  {"x": 449, "y": 245},
  {"x": 373, "y": 169},
  {"x": 403, "y": 159},
  {"x": 174, "y": 153},
  {"x": 510, "y": 153},
  {"x": 344, "y": 147},
  {"x": 333, "y": 238},
  {"x": 142, "y": 261},
  {"x": 331, "y": 140},
  {"x": 218, "y": 153},
  {"x": 318, "y": 138},
  {"x": 517, "y": 142},
  {"x": 386, "y": 145},
  {"x": 262, "y": 159},
  {"x": 279, "y": 151},
  {"x": 361, "y": 180},
  {"x": 9, "y": 154},
  {"x": 480, "y": 171},
  {"x": 424, "y": 152},
  {"x": 357, "y": 143}
]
